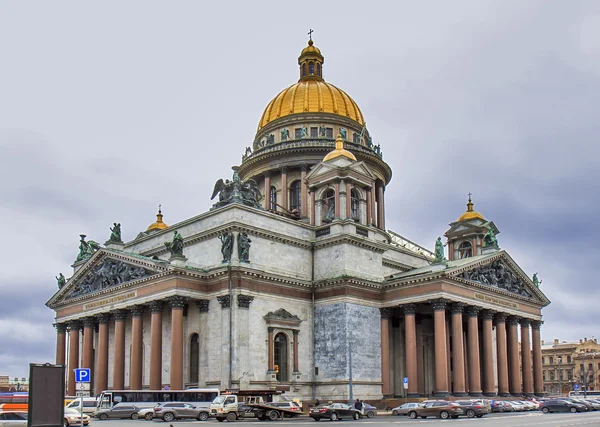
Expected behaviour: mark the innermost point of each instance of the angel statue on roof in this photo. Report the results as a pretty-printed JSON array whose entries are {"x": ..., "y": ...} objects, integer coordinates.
[{"x": 236, "y": 191}]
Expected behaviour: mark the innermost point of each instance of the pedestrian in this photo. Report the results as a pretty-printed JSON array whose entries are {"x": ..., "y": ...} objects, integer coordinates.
[
  {"x": 317, "y": 402},
  {"x": 358, "y": 405}
]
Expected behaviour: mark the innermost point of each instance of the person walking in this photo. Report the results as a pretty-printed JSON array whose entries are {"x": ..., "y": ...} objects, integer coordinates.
[{"x": 358, "y": 405}]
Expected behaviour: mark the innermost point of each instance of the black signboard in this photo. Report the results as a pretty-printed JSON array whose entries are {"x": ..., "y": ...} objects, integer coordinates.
[{"x": 46, "y": 395}]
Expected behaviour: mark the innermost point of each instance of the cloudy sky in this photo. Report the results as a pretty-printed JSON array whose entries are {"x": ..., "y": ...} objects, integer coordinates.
[{"x": 109, "y": 108}]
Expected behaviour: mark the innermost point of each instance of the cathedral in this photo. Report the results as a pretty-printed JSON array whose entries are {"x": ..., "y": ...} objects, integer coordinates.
[{"x": 292, "y": 276}]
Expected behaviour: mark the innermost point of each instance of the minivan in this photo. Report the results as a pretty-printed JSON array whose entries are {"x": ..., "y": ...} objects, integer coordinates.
[{"x": 89, "y": 404}]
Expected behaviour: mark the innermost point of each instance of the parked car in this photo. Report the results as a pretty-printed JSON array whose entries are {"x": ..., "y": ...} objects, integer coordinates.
[
  {"x": 561, "y": 405},
  {"x": 403, "y": 409},
  {"x": 516, "y": 405},
  {"x": 436, "y": 408},
  {"x": 146, "y": 413},
  {"x": 529, "y": 406},
  {"x": 13, "y": 419},
  {"x": 474, "y": 408},
  {"x": 334, "y": 411},
  {"x": 170, "y": 411},
  {"x": 118, "y": 411},
  {"x": 73, "y": 418},
  {"x": 292, "y": 406},
  {"x": 498, "y": 406},
  {"x": 595, "y": 404},
  {"x": 369, "y": 411},
  {"x": 588, "y": 405},
  {"x": 89, "y": 404}
]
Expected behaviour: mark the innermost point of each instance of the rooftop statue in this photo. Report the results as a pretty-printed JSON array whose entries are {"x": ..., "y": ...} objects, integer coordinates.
[
  {"x": 537, "y": 282},
  {"x": 236, "y": 191},
  {"x": 176, "y": 246},
  {"x": 86, "y": 249},
  {"x": 226, "y": 246},
  {"x": 115, "y": 233},
  {"x": 439, "y": 251},
  {"x": 490, "y": 239},
  {"x": 285, "y": 134},
  {"x": 61, "y": 280},
  {"x": 244, "y": 247}
]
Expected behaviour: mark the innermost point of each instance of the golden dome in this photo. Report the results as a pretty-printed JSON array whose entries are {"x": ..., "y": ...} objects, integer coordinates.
[
  {"x": 311, "y": 94},
  {"x": 159, "y": 224},
  {"x": 470, "y": 213},
  {"x": 339, "y": 151}
]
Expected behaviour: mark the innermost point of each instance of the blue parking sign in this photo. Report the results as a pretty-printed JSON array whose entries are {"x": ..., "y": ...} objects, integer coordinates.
[
  {"x": 82, "y": 375},
  {"x": 576, "y": 387}
]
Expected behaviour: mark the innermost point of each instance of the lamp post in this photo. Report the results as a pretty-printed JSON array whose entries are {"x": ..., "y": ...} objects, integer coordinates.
[{"x": 560, "y": 392}]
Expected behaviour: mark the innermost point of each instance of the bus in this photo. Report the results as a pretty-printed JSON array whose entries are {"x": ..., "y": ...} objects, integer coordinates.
[
  {"x": 583, "y": 394},
  {"x": 14, "y": 401},
  {"x": 200, "y": 397}
]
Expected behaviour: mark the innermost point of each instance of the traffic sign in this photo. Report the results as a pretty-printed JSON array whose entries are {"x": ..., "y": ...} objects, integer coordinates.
[
  {"x": 576, "y": 387},
  {"x": 406, "y": 383},
  {"x": 83, "y": 386},
  {"x": 83, "y": 375},
  {"x": 82, "y": 393}
]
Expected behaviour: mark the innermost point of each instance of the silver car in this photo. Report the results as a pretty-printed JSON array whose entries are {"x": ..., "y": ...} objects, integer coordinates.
[
  {"x": 118, "y": 411},
  {"x": 170, "y": 411},
  {"x": 403, "y": 409},
  {"x": 13, "y": 419}
]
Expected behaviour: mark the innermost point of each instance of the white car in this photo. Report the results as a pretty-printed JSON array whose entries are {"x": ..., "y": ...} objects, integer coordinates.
[
  {"x": 13, "y": 419},
  {"x": 73, "y": 418},
  {"x": 403, "y": 409}
]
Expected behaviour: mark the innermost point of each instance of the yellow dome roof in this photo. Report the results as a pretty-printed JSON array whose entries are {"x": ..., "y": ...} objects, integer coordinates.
[
  {"x": 311, "y": 94},
  {"x": 159, "y": 224},
  {"x": 470, "y": 213}
]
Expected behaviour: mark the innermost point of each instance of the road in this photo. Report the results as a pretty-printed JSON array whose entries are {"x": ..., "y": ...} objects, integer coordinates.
[{"x": 536, "y": 419}]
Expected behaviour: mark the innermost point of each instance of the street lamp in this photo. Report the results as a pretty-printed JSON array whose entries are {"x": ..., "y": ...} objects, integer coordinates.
[{"x": 559, "y": 377}]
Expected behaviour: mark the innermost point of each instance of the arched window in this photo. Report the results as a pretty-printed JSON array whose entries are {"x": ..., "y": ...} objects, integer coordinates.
[
  {"x": 354, "y": 204},
  {"x": 465, "y": 250},
  {"x": 318, "y": 69},
  {"x": 281, "y": 357},
  {"x": 328, "y": 206},
  {"x": 295, "y": 196},
  {"x": 194, "y": 358},
  {"x": 303, "y": 70},
  {"x": 311, "y": 68},
  {"x": 273, "y": 199}
]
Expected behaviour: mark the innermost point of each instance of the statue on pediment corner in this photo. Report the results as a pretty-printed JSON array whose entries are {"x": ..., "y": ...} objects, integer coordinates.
[
  {"x": 61, "y": 280},
  {"x": 176, "y": 246},
  {"x": 236, "y": 191},
  {"x": 490, "y": 239},
  {"x": 115, "y": 233},
  {"x": 439, "y": 252},
  {"x": 86, "y": 249},
  {"x": 537, "y": 282},
  {"x": 244, "y": 247}
]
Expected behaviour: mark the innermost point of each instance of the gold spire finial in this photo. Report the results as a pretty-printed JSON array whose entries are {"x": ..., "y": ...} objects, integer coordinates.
[
  {"x": 470, "y": 203},
  {"x": 339, "y": 150},
  {"x": 159, "y": 224},
  {"x": 470, "y": 213}
]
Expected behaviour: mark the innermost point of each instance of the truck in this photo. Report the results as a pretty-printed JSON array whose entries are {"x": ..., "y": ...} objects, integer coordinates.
[{"x": 248, "y": 404}]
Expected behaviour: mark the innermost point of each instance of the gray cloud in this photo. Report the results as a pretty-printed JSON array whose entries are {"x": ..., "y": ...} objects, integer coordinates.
[{"x": 104, "y": 115}]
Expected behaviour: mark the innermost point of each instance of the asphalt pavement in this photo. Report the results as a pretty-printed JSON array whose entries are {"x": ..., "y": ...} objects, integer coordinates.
[{"x": 535, "y": 419}]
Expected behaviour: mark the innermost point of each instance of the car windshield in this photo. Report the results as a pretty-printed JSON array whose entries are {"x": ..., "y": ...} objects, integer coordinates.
[{"x": 219, "y": 399}]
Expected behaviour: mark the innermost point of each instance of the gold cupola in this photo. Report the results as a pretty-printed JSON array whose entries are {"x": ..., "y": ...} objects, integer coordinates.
[
  {"x": 159, "y": 224},
  {"x": 311, "y": 63},
  {"x": 339, "y": 151},
  {"x": 470, "y": 213}
]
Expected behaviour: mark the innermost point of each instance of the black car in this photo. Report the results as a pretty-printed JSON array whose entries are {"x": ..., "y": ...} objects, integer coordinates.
[
  {"x": 334, "y": 412},
  {"x": 561, "y": 405}
]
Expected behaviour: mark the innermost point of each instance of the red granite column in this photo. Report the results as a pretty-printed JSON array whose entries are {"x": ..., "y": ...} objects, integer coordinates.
[
  {"x": 473, "y": 349},
  {"x": 137, "y": 345},
  {"x": 337, "y": 200},
  {"x": 296, "y": 358},
  {"x": 176, "y": 303},
  {"x": 410, "y": 348},
  {"x": 514, "y": 368},
  {"x": 88, "y": 342},
  {"x": 369, "y": 208},
  {"x": 441, "y": 355},
  {"x": 73, "y": 356},
  {"x": 458, "y": 355},
  {"x": 526, "y": 358},
  {"x": 61, "y": 342},
  {"x": 304, "y": 189},
  {"x": 284, "y": 189},
  {"x": 489, "y": 388},
  {"x": 538, "y": 382},
  {"x": 386, "y": 313},
  {"x": 156, "y": 307},
  {"x": 119, "y": 347},
  {"x": 101, "y": 376},
  {"x": 270, "y": 351},
  {"x": 267, "y": 193},
  {"x": 502, "y": 355}
]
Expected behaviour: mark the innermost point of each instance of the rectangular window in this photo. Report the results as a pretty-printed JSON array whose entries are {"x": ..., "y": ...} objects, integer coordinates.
[
  {"x": 329, "y": 133},
  {"x": 551, "y": 360},
  {"x": 568, "y": 359},
  {"x": 551, "y": 375},
  {"x": 569, "y": 374},
  {"x": 591, "y": 367},
  {"x": 314, "y": 132},
  {"x": 356, "y": 138},
  {"x": 297, "y": 133},
  {"x": 544, "y": 375}
]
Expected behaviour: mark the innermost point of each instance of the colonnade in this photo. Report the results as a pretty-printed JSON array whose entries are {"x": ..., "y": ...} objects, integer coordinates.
[
  {"x": 119, "y": 318},
  {"x": 518, "y": 373}
]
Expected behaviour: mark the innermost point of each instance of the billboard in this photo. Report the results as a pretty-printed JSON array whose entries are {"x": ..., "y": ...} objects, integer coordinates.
[{"x": 46, "y": 395}]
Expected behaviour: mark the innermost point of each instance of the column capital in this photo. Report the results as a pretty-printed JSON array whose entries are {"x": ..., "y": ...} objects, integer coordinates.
[
  {"x": 525, "y": 322},
  {"x": 537, "y": 324},
  {"x": 176, "y": 301},
  {"x": 304, "y": 167},
  {"x": 270, "y": 329},
  {"x": 267, "y": 174},
  {"x": 284, "y": 169},
  {"x": 409, "y": 309},
  {"x": 500, "y": 317},
  {"x": 473, "y": 310},
  {"x": 136, "y": 310},
  {"x": 103, "y": 317},
  {"x": 156, "y": 306},
  {"x": 295, "y": 332},
  {"x": 61, "y": 328},
  {"x": 244, "y": 301},
  {"x": 74, "y": 324},
  {"x": 119, "y": 315},
  {"x": 512, "y": 320},
  {"x": 439, "y": 304},
  {"x": 386, "y": 312},
  {"x": 89, "y": 322},
  {"x": 202, "y": 305},
  {"x": 457, "y": 308},
  {"x": 225, "y": 301},
  {"x": 487, "y": 314}
]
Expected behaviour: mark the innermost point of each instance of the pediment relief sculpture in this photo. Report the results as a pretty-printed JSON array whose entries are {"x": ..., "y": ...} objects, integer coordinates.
[
  {"x": 282, "y": 314},
  {"x": 497, "y": 275},
  {"x": 107, "y": 273}
]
